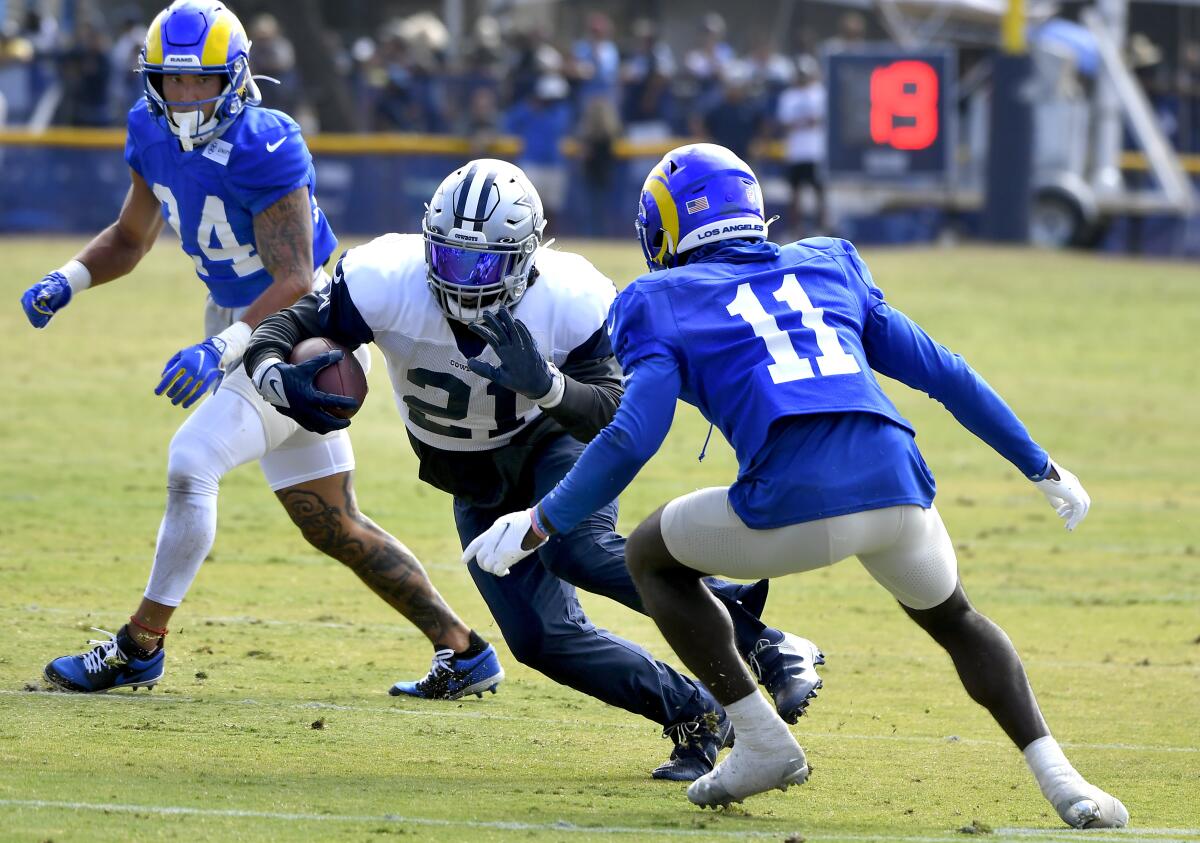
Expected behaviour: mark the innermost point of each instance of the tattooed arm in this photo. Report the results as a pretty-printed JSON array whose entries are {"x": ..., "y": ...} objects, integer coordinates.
[{"x": 283, "y": 235}]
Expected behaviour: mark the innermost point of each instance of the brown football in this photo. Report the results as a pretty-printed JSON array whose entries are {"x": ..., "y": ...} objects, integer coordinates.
[{"x": 345, "y": 377}]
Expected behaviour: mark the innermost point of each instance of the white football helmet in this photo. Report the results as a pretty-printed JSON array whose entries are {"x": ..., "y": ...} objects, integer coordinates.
[{"x": 481, "y": 229}]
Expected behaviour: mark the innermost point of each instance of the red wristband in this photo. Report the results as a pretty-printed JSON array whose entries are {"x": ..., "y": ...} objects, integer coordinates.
[{"x": 533, "y": 525}]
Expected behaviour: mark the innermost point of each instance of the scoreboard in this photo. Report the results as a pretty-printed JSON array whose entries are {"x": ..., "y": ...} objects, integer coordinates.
[{"x": 891, "y": 113}]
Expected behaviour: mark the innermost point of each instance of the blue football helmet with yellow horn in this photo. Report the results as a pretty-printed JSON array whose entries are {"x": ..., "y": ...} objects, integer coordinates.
[
  {"x": 700, "y": 193},
  {"x": 198, "y": 37}
]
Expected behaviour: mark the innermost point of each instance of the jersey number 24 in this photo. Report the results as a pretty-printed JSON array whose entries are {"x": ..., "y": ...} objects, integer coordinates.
[
  {"x": 788, "y": 365},
  {"x": 214, "y": 222}
]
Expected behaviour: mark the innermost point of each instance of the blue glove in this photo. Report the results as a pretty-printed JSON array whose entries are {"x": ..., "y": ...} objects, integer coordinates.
[
  {"x": 46, "y": 298},
  {"x": 191, "y": 373},
  {"x": 291, "y": 390},
  {"x": 522, "y": 367}
]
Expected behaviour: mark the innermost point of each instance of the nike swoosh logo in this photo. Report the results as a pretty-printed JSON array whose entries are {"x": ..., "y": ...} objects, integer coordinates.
[
  {"x": 271, "y": 147},
  {"x": 275, "y": 388}
]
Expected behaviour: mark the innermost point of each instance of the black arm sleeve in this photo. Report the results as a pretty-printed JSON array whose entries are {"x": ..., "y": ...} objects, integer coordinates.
[
  {"x": 280, "y": 332},
  {"x": 329, "y": 313},
  {"x": 593, "y": 388}
]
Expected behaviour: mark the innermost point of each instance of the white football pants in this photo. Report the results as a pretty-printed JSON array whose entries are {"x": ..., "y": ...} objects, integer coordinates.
[
  {"x": 230, "y": 428},
  {"x": 905, "y": 548}
]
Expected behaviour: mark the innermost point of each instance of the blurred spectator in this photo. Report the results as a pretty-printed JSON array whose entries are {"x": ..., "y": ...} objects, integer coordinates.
[
  {"x": 801, "y": 115},
  {"x": 1187, "y": 84},
  {"x": 738, "y": 118},
  {"x": 533, "y": 57},
  {"x": 705, "y": 66},
  {"x": 272, "y": 54},
  {"x": 646, "y": 75},
  {"x": 1144, "y": 58},
  {"x": 407, "y": 62},
  {"x": 16, "y": 60},
  {"x": 770, "y": 72},
  {"x": 542, "y": 121},
  {"x": 483, "y": 121},
  {"x": 852, "y": 32},
  {"x": 706, "y": 61},
  {"x": 599, "y": 128},
  {"x": 595, "y": 63},
  {"x": 125, "y": 85},
  {"x": 482, "y": 65},
  {"x": 85, "y": 73},
  {"x": 41, "y": 31}
]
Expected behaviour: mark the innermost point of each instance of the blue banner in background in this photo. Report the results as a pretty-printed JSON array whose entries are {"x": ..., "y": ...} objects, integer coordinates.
[{"x": 78, "y": 189}]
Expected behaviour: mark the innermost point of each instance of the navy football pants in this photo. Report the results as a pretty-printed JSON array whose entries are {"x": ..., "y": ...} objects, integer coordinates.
[{"x": 546, "y": 628}]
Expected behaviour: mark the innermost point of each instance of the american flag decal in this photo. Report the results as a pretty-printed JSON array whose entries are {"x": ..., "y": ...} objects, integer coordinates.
[{"x": 695, "y": 205}]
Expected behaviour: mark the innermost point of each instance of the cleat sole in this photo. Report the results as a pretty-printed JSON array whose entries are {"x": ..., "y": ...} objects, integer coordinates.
[{"x": 58, "y": 684}]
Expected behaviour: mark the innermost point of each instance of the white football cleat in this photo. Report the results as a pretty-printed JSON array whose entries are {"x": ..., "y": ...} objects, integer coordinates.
[
  {"x": 1091, "y": 807},
  {"x": 745, "y": 772}
]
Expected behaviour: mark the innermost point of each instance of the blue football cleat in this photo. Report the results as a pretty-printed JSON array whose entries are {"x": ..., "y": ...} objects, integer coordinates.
[
  {"x": 754, "y": 597},
  {"x": 106, "y": 666},
  {"x": 697, "y": 743},
  {"x": 452, "y": 677},
  {"x": 786, "y": 665}
]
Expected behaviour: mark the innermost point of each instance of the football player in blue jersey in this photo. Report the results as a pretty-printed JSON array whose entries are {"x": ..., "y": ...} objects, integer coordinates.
[
  {"x": 236, "y": 182},
  {"x": 502, "y": 369},
  {"x": 775, "y": 346}
]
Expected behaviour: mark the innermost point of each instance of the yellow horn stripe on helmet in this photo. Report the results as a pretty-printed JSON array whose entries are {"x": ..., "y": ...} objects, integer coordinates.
[
  {"x": 216, "y": 45},
  {"x": 154, "y": 47},
  {"x": 667, "y": 212}
]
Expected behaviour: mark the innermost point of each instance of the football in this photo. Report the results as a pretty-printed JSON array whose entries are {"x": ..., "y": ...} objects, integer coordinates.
[{"x": 345, "y": 377}]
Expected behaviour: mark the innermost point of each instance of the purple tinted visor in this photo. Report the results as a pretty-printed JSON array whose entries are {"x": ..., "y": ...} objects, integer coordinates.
[{"x": 468, "y": 267}]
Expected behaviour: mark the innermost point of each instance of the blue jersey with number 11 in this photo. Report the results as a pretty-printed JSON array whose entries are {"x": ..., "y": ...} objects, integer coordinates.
[
  {"x": 758, "y": 340},
  {"x": 211, "y": 195}
]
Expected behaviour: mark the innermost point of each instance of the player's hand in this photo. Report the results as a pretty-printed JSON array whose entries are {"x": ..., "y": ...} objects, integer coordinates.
[
  {"x": 505, "y": 543},
  {"x": 522, "y": 367},
  {"x": 1066, "y": 494},
  {"x": 192, "y": 373},
  {"x": 46, "y": 298},
  {"x": 290, "y": 389}
]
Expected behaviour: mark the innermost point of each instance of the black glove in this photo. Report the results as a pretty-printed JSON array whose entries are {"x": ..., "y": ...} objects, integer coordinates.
[
  {"x": 522, "y": 367},
  {"x": 291, "y": 390}
]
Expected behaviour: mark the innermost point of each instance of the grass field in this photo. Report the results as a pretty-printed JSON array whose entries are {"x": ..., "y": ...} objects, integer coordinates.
[{"x": 1097, "y": 356}]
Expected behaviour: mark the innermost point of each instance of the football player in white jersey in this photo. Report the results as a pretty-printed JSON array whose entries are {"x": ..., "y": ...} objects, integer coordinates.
[
  {"x": 205, "y": 157},
  {"x": 502, "y": 369}
]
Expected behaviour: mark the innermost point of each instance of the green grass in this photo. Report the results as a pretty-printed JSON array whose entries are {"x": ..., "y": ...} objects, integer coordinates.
[{"x": 1096, "y": 355}]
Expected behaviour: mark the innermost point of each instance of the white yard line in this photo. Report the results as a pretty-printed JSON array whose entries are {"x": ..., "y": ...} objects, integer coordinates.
[
  {"x": 122, "y": 698},
  {"x": 1134, "y": 835}
]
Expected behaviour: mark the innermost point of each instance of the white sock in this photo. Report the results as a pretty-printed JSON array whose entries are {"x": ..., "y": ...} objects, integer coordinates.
[
  {"x": 225, "y": 431},
  {"x": 185, "y": 537},
  {"x": 1054, "y": 773},
  {"x": 756, "y": 723}
]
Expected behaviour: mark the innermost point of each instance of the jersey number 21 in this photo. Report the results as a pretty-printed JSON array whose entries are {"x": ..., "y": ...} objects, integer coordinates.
[{"x": 788, "y": 365}]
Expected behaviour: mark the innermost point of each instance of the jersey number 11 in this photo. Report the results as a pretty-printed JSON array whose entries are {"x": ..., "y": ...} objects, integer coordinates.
[{"x": 788, "y": 365}]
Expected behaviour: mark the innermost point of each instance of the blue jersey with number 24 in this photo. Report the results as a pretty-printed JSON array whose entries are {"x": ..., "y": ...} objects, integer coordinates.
[{"x": 211, "y": 195}]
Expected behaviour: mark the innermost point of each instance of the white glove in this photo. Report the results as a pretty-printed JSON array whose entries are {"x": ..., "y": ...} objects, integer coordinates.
[
  {"x": 1066, "y": 494},
  {"x": 505, "y": 543},
  {"x": 269, "y": 382}
]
